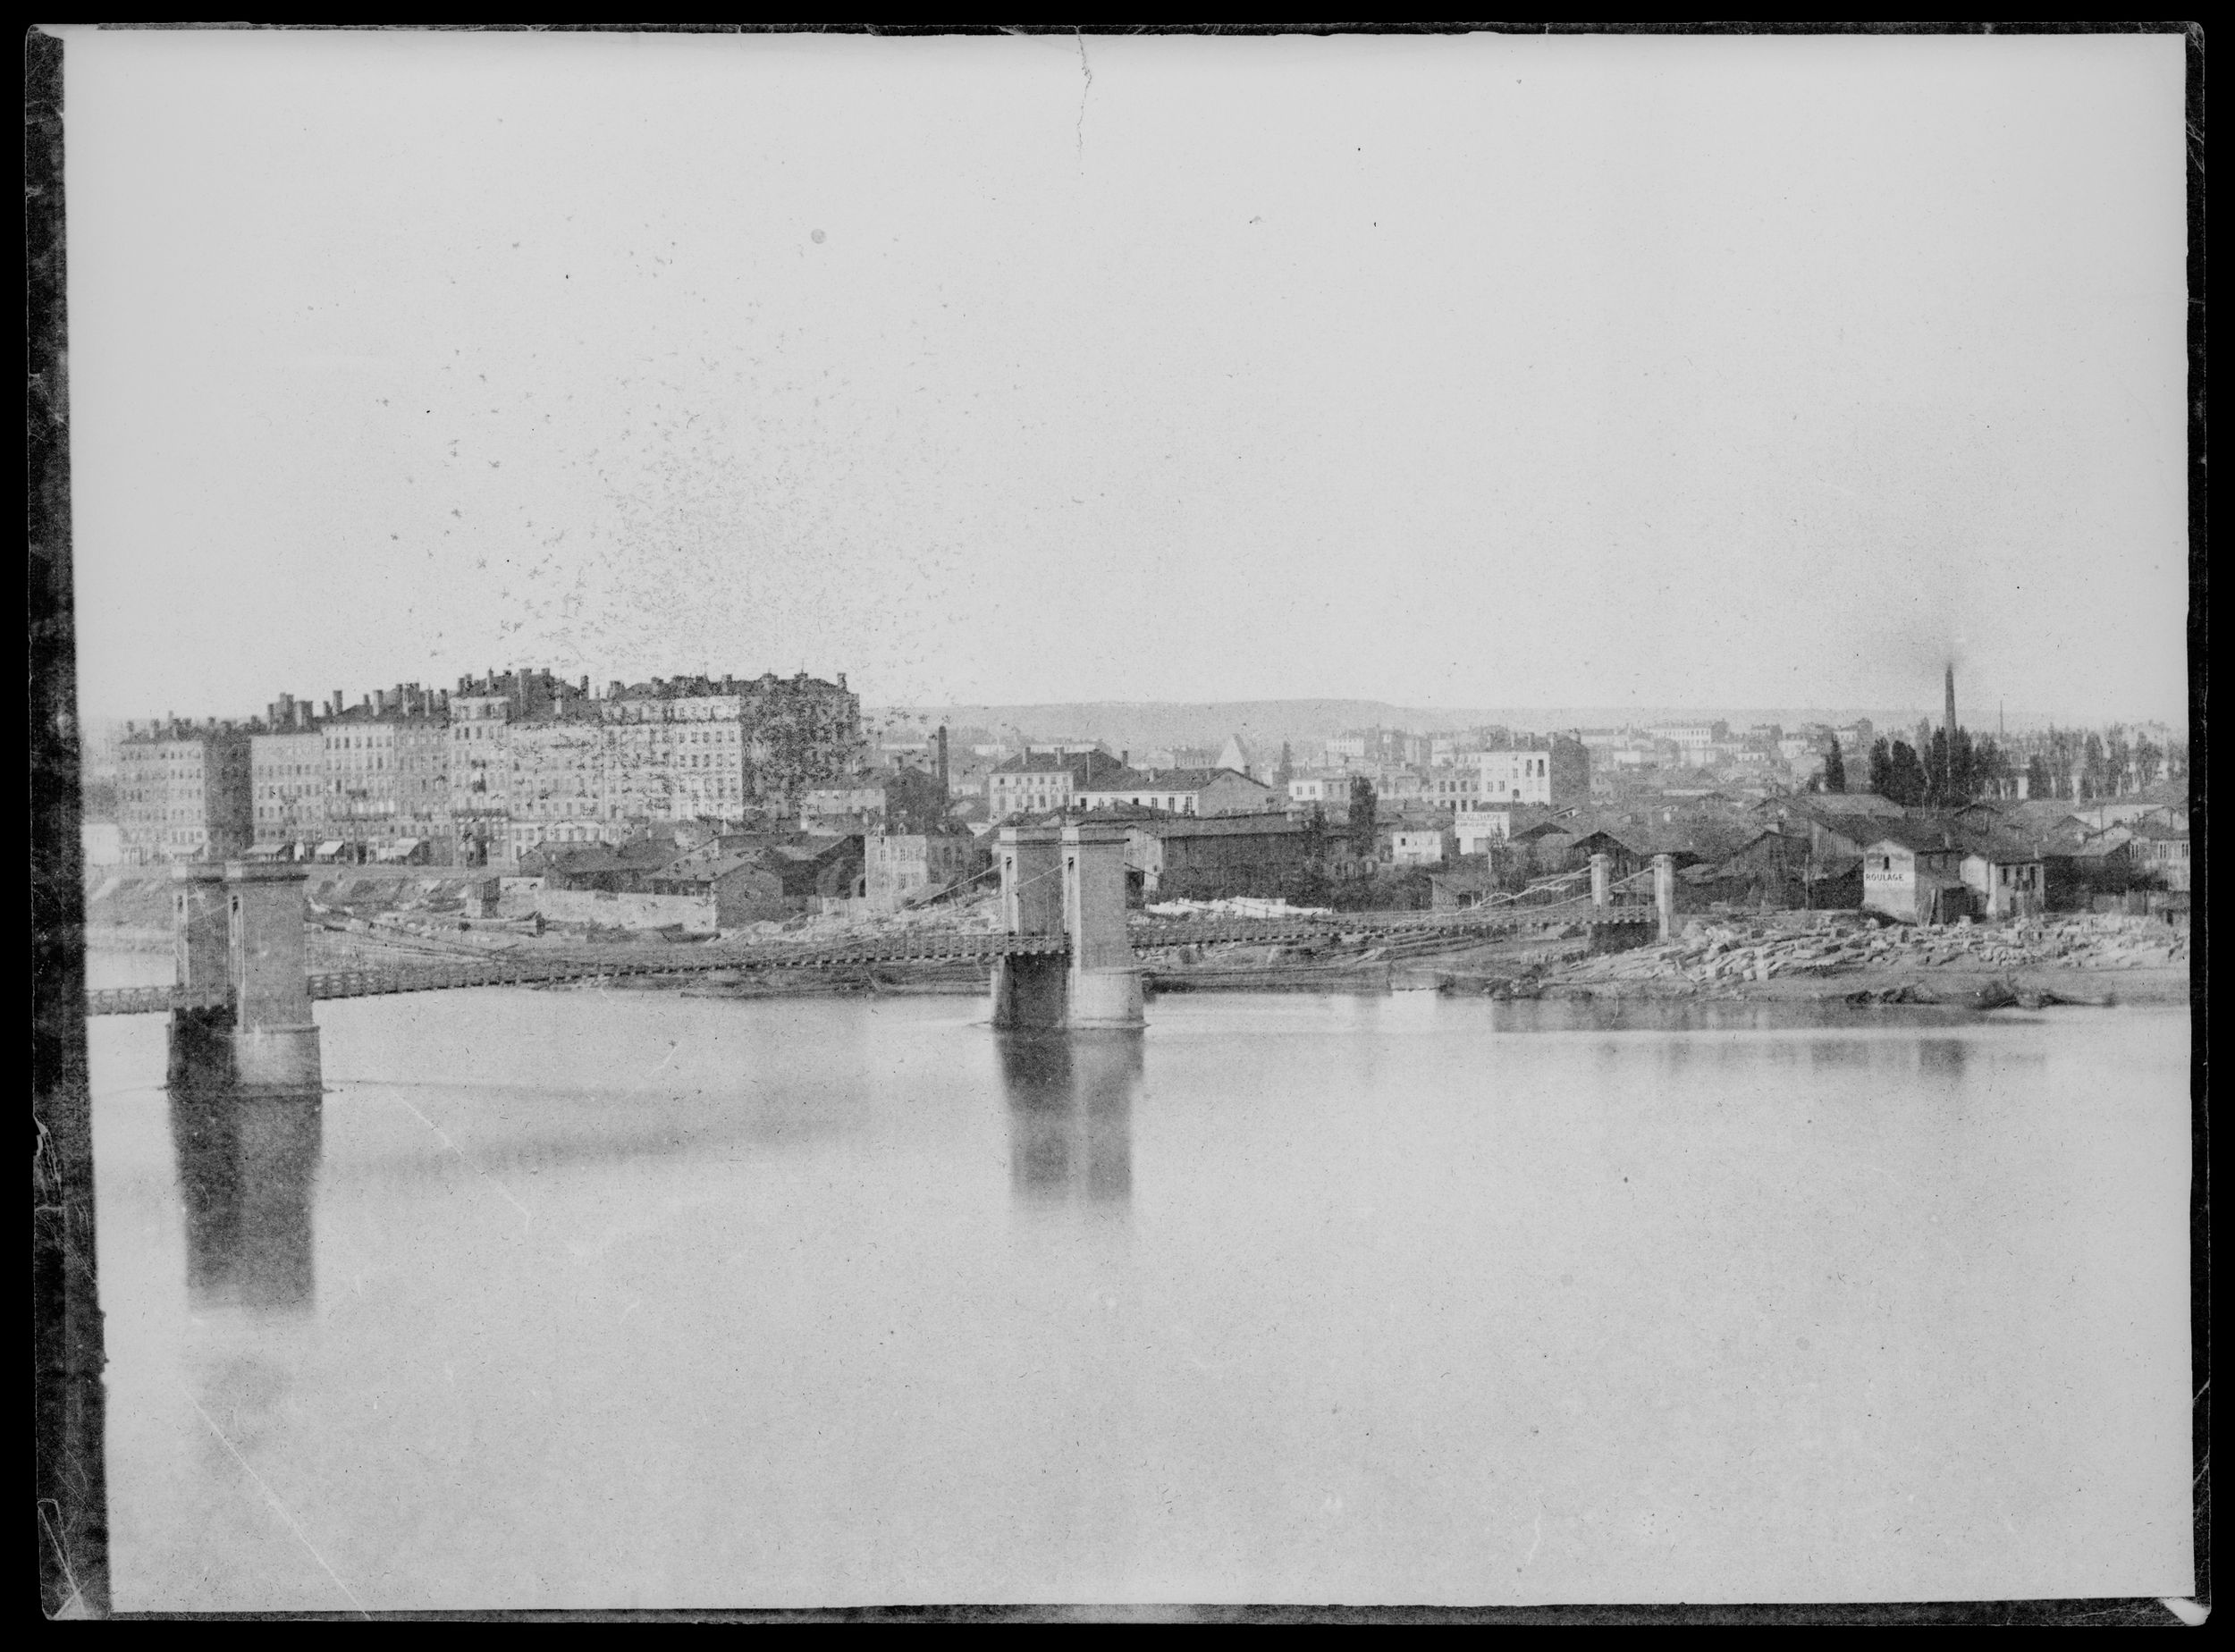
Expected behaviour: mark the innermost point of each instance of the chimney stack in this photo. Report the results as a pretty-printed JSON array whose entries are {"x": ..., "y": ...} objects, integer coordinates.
[{"x": 1950, "y": 723}]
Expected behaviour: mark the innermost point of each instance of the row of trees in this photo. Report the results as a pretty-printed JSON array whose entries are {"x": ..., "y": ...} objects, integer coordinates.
[
  {"x": 2075, "y": 763},
  {"x": 1949, "y": 770},
  {"x": 2066, "y": 763}
]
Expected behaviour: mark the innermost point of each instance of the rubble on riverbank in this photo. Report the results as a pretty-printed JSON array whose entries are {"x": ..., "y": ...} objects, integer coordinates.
[
  {"x": 1847, "y": 956},
  {"x": 1834, "y": 945}
]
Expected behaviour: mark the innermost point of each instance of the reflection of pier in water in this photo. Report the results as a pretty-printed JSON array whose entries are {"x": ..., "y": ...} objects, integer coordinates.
[
  {"x": 246, "y": 1166},
  {"x": 1070, "y": 1117}
]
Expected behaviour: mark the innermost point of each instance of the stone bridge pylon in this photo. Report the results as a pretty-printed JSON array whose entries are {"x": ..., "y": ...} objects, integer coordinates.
[
  {"x": 1069, "y": 882},
  {"x": 247, "y": 1026}
]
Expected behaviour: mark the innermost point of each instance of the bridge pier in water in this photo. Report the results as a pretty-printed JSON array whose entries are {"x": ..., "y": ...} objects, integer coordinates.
[
  {"x": 1067, "y": 882},
  {"x": 1105, "y": 979},
  {"x": 201, "y": 1036},
  {"x": 245, "y": 1082},
  {"x": 239, "y": 931}
]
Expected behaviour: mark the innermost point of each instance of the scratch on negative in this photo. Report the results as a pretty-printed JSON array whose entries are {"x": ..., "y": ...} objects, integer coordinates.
[
  {"x": 278, "y": 1507},
  {"x": 1085, "y": 69},
  {"x": 525, "y": 1218},
  {"x": 62, "y": 1552}
]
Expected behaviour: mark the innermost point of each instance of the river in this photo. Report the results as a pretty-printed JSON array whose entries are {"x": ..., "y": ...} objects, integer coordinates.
[{"x": 631, "y": 1299}]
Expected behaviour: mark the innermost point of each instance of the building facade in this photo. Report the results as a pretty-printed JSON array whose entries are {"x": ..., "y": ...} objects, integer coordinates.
[
  {"x": 1035, "y": 782},
  {"x": 1182, "y": 791},
  {"x": 185, "y": 791},
  {"x": 556, "y": 783},
  {"x": 900, "y": 867},
  {"x": 1916, "y": 876},
  {"x": 287, "y": 774},
  {"x": 1199, "y": 858}
]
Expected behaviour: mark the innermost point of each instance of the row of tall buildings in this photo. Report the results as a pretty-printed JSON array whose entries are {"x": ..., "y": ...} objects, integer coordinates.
[{"x": 480, "y": 774}]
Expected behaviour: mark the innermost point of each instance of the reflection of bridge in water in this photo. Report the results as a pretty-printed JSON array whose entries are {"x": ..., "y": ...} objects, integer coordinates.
[
  {"x": 247, "y": 1165},
  {"x": 1070, "y": 1112},
  {"x": 1067, "y": 954}
]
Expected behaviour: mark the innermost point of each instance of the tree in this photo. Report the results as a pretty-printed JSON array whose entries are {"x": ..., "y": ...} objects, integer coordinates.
[
  {"x": 2094, "y": 770},
  {"x": 1989, "y": 769},
  {"x": 1906, "y": 781},
  {"x": 1834, "y": 768},
  {"x": 2038, "y": 783},
  {"x": 2119, "y": 758},
  {"x": 2147, "y": 756},
  {"x": 1939, "y": 787},
  {"x": 1882, "y": 768},
  {"x": 1362, "y": 806},
  {"x": 2064, "y": 761},
  {"x": 1288, "y": 769},
  {"x": 1962, "y": 768}
]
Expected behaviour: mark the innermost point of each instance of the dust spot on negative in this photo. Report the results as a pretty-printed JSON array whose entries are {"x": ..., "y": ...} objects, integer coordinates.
[{"x": 816, "y": 238}]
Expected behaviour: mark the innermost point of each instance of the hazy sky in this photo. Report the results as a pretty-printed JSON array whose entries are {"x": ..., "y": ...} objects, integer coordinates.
[{"x": 1450, "y": 372}]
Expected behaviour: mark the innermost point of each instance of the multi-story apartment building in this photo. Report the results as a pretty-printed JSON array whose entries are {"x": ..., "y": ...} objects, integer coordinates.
[
  {"x": 555, "y": 789},
  {"x": 719, "y": 747},
  {"x": 287, "y": 771},
  {"x": 423, "y": 782},
  {"x": 1034, "y": 781},
  {"x": 479, "y": 766},
  {"x": 1178, "y": 791},
  {"x": 184, "y": 791},
  {"x": 359, "y": 754},
  {"x": 1557, "y": 775},
  {"x": 1515, "y": 777},
  {"x": 1328, "y": 791},
  {"x": 1451, "y": 787},
  {"x": 511, "y": 760},
  {"x": 897, "y": 868}
]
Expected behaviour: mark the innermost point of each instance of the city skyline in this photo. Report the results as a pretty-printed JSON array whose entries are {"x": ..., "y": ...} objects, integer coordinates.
[{"x": 1458, "y": 374}]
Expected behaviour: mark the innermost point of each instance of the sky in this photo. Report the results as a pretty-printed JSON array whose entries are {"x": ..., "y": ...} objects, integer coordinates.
[{"x": 1450, "y": 372}]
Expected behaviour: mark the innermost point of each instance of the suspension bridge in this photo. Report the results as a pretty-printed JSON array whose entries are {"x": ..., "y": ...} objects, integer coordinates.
[{"x": 1066, "y": 955}]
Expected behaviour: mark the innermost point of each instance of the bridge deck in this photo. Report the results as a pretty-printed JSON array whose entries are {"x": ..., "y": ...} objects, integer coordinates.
[{"x": 923, "y": 947}]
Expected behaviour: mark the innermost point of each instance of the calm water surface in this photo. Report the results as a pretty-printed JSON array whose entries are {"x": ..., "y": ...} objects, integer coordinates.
[{"x": 630, "y": 1299}]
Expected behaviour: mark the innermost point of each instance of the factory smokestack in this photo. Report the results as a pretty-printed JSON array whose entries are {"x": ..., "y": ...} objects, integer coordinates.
[{"x": 1950, "y": 723}]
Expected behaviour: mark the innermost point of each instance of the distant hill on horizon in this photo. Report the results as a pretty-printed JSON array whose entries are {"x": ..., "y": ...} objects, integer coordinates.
[{"x": 1161, "y": 723}]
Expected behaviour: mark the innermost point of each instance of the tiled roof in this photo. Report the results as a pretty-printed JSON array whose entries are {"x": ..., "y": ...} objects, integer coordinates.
[
  {"x": 710, "y": 871},
  {"x": 2001, "y": 845},
  {"x": 2159, "y": 831},
  {"x": 1167, "y": 780},
  {"x": 1924, "y": 834},
  {"x": 1266, "y": 825},
  {"x": 1088, "y": 765},
  {"x": 1836, "y": 803}
]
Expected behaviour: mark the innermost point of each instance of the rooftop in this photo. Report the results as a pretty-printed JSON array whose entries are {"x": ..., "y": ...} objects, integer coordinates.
[
  {"x": 1267, "y": 825},
  {"x": 1122, "y": 779}
]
